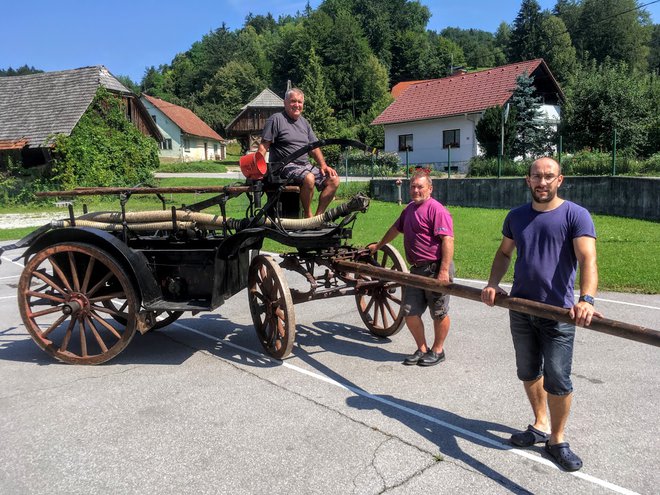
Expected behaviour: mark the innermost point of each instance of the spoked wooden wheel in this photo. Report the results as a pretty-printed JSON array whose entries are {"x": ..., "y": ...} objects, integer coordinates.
[
  {"x": 381, "y": 307},
  {"x": 271, "y": 306},
  {"x": 63, "y": 298}
]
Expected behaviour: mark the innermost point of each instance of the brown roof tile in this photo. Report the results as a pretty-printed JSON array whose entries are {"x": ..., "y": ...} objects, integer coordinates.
[{"x": 454, "y": 95}]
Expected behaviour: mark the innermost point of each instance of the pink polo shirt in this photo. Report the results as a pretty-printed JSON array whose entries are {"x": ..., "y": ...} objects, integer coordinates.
[{"x": 423, "y": 226}]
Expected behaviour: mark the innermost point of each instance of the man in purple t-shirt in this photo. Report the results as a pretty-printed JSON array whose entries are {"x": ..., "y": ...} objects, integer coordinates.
[
  {"x": 428, "y": 239},
  {"x": 551, "y": 238}
]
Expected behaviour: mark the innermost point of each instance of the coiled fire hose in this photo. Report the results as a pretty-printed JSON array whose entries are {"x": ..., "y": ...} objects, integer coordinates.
[{"x": 162, "y": 220}]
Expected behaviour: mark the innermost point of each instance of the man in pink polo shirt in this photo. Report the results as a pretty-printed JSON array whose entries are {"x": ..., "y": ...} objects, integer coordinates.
[{"x": 428, "y": 239}]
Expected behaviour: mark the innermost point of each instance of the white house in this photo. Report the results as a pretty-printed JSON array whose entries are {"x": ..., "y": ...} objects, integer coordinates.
[
  {"x": 186, "y": 137},
  {"x": 432, "y": 122}
]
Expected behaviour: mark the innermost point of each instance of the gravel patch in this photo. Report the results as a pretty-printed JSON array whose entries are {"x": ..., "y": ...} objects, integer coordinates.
[{"x": 18, "y": 220}]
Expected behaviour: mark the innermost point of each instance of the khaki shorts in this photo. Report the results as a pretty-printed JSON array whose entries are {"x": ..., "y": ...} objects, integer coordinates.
[{"x": 415, "y": 301}]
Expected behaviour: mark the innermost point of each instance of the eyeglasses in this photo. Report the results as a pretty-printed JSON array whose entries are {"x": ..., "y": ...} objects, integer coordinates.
[{"x": 549, "y": 178}]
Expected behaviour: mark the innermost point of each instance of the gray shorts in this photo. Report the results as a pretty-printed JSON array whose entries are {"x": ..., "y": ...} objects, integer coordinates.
[
  {"x": 298, "y": 172},
  {"x": 415, "y": 301}
]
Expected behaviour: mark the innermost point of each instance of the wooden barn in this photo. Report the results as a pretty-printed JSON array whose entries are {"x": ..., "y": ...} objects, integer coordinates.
[
  {"x": 36, "y": 107},
  {"x": 248, "y": 124}
]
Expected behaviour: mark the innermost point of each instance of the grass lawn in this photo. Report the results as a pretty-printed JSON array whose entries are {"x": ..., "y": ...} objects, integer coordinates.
[
  {"x": 628, "y": 249},
  {"x": 208, "y": 166}
]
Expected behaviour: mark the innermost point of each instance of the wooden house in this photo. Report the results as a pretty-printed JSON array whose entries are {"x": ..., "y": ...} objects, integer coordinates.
[
  {"x": 37, "y": 107},
  {"x": 248, "y": 124}
]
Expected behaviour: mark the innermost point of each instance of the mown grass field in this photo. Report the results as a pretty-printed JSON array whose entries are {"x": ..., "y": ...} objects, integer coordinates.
[{"x": 628, "y": 249}]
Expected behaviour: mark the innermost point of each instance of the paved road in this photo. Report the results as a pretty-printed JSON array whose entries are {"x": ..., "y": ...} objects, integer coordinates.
[{"x": 197, "y": 408}]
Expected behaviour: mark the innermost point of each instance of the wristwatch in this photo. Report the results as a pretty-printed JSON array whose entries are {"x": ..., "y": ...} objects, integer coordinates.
[{"x": 587, "y": 298}]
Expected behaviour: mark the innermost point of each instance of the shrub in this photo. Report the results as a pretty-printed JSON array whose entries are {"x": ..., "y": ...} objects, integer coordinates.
[
  {"x": 487, "y": 167},
  {"x": 104, "y": 149},
  {"x": 361, "y": 163},
  {"x": 651, "y": 166}
]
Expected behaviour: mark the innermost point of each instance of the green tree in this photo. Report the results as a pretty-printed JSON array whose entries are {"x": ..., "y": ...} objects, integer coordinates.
[
  {"x": 446, "y": 55},
  {"x": 261, "y": 23},
  {"x": 557, "y": 48},
  {"x": 21, "y": 71},
  {"x": 478, "y": 46},
  {"x": 489, "y": 131},
  {"x": 526, "y": 40},
  {"x": 231, "y": 87},
  {"x": 569, "y": 11},
  {"x": 654, "y": 50},
  {"x": 534, "y": 135},
  {"x": 249, "y": 48},
  {"x": 128, "y": 82},
  {"x": 411, "y": 52},
  {"x": 615, "y": 29},
  {"x": 603, "y": 98},
  {"x": 501, "y": 43},
  {"x": 317, "y": 108}
]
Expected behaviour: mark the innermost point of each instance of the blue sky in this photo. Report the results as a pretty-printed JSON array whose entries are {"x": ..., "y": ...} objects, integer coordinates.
[{"x": 128, "y": 36}]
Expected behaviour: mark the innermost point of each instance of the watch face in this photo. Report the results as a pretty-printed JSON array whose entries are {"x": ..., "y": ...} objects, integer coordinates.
[{"x": 587, "y": 299}]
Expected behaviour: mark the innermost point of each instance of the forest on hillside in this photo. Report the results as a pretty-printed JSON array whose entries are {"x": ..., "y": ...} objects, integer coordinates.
[{"x": 347, "y": 54}]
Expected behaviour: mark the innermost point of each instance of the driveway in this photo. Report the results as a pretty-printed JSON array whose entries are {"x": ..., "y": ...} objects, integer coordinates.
[{"x": 198, "y": 408}]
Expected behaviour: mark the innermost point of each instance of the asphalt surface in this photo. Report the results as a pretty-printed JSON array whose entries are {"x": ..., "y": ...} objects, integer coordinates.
[{"x": 198, "y": 408}]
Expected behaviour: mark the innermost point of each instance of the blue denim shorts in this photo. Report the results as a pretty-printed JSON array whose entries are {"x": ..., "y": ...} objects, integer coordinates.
[
  {"x": 415, "y": 301},
  {"x": 543, "y": 348},
  {"x": 298, "y": 172}
]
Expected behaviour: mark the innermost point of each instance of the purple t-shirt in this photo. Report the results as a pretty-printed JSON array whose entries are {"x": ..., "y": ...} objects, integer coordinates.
[
  {"x": 422, "y": 226},
  {"x": 287, "y": 136},
  {"x": 546, "y": 262}
]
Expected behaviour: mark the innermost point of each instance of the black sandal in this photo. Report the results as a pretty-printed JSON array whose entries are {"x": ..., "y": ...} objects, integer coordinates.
[
  {"x": 564, "y": 456},
  {"x": 529, "y": 437}
]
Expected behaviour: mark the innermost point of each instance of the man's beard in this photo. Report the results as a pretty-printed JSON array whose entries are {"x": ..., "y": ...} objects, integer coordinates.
[{"x": 551, "y": 195}]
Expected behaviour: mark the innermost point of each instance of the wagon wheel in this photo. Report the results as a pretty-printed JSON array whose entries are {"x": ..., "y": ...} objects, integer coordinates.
[
  {"x": 381, "y": 308},
  {"x": 271, "y": 306},
  {"x": 61, "y": 296}
]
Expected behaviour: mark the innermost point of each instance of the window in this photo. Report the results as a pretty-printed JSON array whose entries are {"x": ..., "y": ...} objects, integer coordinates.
[
  {"x": 186, "y": 144},
  {"x": 405, "y": 142},
  {"x": 153, "y": 117},
  {"x": 451, "y": 138},
  {"x": 166, "y": 144}
]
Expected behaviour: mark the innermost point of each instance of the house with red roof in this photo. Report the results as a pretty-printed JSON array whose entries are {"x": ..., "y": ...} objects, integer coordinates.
[
  {"x": 186, "y": 137},
  {"x": 433, "y": 121}
]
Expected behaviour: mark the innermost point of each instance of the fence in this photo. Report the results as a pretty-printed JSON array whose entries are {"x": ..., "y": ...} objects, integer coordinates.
[{"x": 634, "y": 197}]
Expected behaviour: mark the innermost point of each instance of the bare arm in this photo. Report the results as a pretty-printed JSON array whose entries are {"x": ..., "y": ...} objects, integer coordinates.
[
  {"x": 447, "y": 249},
  {"x": 389, "y": 236},
  {"x": 585, "y": 251},
  {"x": 264, "y": 146},
  {"x": 498, "y": 269},
  {"x": 317, "y": 154}
]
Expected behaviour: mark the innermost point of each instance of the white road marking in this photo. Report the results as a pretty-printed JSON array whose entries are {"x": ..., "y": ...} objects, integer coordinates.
[
  {"x": 12, "y": 261},
  {"x": 426, "y": 417}
]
